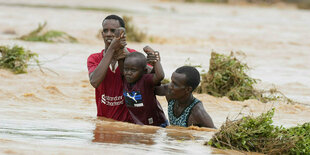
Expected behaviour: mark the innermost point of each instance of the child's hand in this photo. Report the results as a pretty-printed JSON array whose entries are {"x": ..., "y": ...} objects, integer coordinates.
[
  {"x": 148, "y": 50},
  {"x": 152, "y": 56}
]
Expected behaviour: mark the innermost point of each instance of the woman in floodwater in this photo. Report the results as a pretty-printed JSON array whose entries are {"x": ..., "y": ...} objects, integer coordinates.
[{"x": 183, "y": 108}]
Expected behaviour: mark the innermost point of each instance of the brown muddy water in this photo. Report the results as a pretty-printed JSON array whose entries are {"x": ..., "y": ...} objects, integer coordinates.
[{"x": 55, "y": 113}]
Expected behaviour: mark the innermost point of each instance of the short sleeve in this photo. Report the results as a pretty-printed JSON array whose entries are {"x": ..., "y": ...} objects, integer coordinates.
[
  {"x": 131, "y": 50},
  {"x": 92, "y": 63}
]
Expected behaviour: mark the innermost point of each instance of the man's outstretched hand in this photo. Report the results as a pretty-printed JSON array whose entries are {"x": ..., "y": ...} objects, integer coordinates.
[{"x": 120, "y": 36}]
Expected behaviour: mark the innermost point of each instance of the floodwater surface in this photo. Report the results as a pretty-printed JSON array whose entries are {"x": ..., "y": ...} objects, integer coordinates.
[{"x": 55, "y": 113}]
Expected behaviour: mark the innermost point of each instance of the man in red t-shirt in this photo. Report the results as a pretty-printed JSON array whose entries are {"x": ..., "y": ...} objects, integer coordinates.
[{"x": 104, "y": 74}]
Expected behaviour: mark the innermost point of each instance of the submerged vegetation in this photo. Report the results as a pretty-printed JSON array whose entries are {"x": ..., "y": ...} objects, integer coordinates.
[
  {"x": 257, "y": 134},
  {"x": 227, "y": 77},
  {"x": 39, "y": 34},
  {"x": 16, "y": 58}
]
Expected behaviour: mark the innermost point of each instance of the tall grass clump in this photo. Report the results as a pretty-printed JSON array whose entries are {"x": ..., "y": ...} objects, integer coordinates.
[
  {"x": 16, "y": 58},
  {"x": 227, "y": 76},
  {"x": 257, "y": 134},
  {"x": 52, "y": 36}
]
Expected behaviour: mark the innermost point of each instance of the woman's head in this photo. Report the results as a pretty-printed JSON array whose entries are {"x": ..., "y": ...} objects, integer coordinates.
[{"x": 184, "y": 81}]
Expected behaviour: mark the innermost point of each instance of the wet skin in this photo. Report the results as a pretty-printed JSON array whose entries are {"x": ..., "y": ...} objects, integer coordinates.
[{"x": 177, "y": 86}]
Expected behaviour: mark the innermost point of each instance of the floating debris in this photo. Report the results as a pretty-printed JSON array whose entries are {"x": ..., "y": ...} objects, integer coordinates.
[
  {"x": 16, "y": 58},
  {"x": 52, "y": 36},
  {"x": 227, "y": 77},
  {"x": 257, "y": 134}
]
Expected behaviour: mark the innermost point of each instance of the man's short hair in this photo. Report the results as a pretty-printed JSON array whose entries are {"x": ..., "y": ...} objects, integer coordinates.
[
  {"x": 192, "y": 76},
  {"x": 115, "y": 17},
  {"x": 139, "y": 56}
]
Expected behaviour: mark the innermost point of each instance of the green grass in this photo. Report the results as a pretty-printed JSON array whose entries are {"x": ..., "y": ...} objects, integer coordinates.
[
  {"x": 16, "y": 58},
  {"x": 227, "y": 76},
  {"x": 257, "y": 134},
  {"x": 49, "y": 36}
]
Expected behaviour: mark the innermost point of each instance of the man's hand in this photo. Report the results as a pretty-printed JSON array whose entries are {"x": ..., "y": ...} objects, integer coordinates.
[
  {"x": 121, "y": 53},
  {"x": 121, "y": 33},
  {"x": 119, "y": 40}
]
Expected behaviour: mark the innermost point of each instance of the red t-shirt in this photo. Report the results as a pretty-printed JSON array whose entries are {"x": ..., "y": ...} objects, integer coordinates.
[
  {"x": 142, "y": 103},
  {"x": 109, "y": 94}
]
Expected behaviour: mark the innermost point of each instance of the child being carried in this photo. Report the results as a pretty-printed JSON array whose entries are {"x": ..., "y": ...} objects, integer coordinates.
[{"x": 139, "y": 88}]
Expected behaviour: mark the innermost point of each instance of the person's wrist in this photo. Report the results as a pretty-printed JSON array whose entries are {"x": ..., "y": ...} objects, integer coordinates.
[{"x": 122, "y": 58}]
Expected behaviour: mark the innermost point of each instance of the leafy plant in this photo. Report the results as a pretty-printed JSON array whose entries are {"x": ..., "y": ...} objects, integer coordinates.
[
  {"x": 16, "y": 58},
  {"x": 257, "y": 134},
  {"x": 49, "y": 36},
  {"x": 227, "y": 77},
  {"x": 302, "y": 133}
]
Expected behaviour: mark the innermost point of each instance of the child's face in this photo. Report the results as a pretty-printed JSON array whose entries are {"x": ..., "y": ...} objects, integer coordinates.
[
  {"x": 133, "y": 70},
  {"x": 177, "y": 86}
]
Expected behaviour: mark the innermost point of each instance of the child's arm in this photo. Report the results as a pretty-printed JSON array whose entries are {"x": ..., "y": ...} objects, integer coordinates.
[
  {"x": 161, "y": 90},
  {"x": 159, "y": 72}
]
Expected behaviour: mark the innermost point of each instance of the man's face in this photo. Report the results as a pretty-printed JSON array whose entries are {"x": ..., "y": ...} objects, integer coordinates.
[
  {"x": 109, "y": 26},
  {"x": 133, "y": 70},
  {"x": 177, "y": 86}
]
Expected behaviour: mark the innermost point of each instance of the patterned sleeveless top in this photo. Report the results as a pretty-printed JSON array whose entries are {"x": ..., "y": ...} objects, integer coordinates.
[{"x": 183, "y": 118}]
